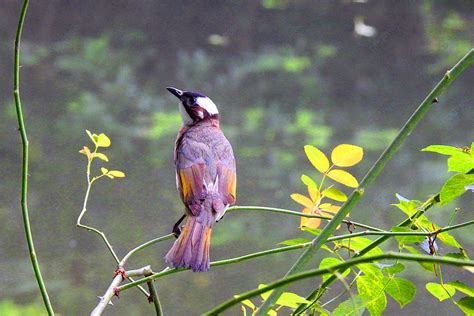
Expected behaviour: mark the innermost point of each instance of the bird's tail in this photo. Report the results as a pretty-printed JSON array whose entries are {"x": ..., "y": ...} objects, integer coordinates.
[{"x": 191, "y": 249}]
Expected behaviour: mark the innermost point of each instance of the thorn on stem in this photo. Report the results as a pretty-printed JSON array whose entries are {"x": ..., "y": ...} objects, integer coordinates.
[
  {"x": 435, "y": 100},
  {"x": 116, "y": 292}
]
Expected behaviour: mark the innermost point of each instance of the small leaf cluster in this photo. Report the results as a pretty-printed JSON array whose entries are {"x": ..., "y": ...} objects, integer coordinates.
[
  {"x": 287, "y": 299},
  {"x": 342, "y": 156},
  {"x": 100, "y": 141},
  {"x": 461, "y": 161}
]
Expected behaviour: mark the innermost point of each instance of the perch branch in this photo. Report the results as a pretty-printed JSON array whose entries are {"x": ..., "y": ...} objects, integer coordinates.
[
  {"x": 168, "y": 271},
  {"x": 112, "y": 289},
  {"x": 25, "y": 148},
  {"x": 289, "y": 212},
  {"x": 373, "y": 173}
]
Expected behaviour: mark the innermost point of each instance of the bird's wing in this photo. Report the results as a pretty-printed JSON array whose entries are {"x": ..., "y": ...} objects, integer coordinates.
[{"x": 205, "y": 167}]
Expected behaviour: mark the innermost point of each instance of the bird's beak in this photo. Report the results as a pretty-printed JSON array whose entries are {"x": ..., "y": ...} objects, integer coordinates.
[{"x": 176, "y": 92}]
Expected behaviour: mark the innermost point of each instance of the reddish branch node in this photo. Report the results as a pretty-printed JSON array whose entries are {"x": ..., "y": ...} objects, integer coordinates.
[{"x": 120, "y": 271}]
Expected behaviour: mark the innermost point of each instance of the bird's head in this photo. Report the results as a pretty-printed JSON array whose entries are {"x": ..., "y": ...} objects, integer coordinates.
[{"x": 194, "y": 107}]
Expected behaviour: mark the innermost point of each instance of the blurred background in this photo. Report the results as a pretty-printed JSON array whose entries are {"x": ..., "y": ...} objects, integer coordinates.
[{"x": 283, "y": 74}]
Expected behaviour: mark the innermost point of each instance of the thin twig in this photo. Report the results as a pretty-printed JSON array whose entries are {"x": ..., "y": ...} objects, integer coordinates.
[
  {"x": 143, "y": 246},
  {"x": 95, "y": 230},
  {"x": 25, "y": 147},
  {"x": 344, "y": 265},
  {"x": 294, "y": 213},
  {"x": 168, "y": 271},
  {"x": 373, "y": 173}
]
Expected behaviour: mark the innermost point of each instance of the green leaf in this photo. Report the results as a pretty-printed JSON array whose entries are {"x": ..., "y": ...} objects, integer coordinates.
[
  {"x": 346, "y": 155},
  {"x": 317, "y": 158},
  {"x": 314, "y": 231},
  {"x": 426, "y": 265},
  {"x": 466, "y": 304},
  {"x": 291, "y": 300},
  {"x": 359, "y": 243},
  {"x": 104, "y": 170},
  {"x": 329, "y": 262},
  {"x": 288, "y": 299},
  {"x": 343, "y": 177},
  {"x": 308, "y": 181},
  {"x": 439, "y": 291},
  {"x": 100, "y": 156},
  {"x": 334, "y": 193},
  {"x": 406, "y": 239},
  {"x": 461, "y": 287},
  {"x": 116, "y": 174},
  {"x": 444, "y": 150},
  {"x": 455, "y": 187},
  {"x": 295, "y": 241},
  {"x": 407, "y": 206},
  {"x": 463, "y": 164},
  {"x": 373, "y": 271},
  {"x": 346, "y": 308},
  {"x": 393, "y": 269},
  {"x": 373, "y": 294},
  {"x": 449, "y": 240},
  {"x": 103, "y": 140},
  {"x": 401, "y": 290}
]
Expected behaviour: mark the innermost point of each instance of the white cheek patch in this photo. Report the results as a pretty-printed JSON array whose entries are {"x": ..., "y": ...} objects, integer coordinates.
[
  {"x": 184, "y": 115},
  {"x": 208, "y": 105}
]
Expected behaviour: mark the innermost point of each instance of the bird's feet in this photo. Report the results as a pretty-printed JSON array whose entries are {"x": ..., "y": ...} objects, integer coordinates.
[{"x": 177, "y": 230}]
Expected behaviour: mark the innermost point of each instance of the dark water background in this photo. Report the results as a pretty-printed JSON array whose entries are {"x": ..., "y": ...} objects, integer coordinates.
[{"x": 283, "y": 74}]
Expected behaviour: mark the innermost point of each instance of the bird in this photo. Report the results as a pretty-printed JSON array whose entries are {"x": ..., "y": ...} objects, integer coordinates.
[{"x": 205, "y": 178}]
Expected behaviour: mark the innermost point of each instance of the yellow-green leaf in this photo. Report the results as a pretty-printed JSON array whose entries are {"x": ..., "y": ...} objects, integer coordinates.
[
  {"x": 311, "y": 222},
  {"x": 103, "y": 140},
  {"x": 335, "y": 194},
  {"x": 93, "y": 137},
  {"x": 104, "y": 170},
  {"x": 317, "y": 158},
  {"x": 303, "y": 200},
  {"x": 314, "y": 194},
  {"x": 308, "y": 181},
  {"x": 343, "y": 177},
  {"x": 116, "y": 174},
  {"x": 248, "y": 303},
  {"x": 346, "y": 155},
  {"x": 100, "y": 156},
  {"x": 86, "y": 151}
]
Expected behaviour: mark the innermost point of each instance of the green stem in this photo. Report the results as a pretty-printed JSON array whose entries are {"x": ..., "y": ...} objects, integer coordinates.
[
  {"x": 154, "y": 298},
  {"x": 284, "y": 249},
  {"x": 294, "y": 213},
  {"x": 143, "y": 246},
  {"x": 316, "y": 272},
  {"x": 25, "y": 147},
  {"x": 373, "y": 173}
]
